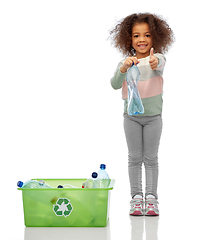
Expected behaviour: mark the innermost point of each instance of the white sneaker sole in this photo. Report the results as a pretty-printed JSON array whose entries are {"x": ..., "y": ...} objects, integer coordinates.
[
  {"x": 136, "y": 213},
  {"x": 151, "y": 212}
]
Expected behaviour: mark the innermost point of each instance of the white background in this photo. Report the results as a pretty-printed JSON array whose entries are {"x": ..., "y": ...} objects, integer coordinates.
[{"x": 60, "y": 118}]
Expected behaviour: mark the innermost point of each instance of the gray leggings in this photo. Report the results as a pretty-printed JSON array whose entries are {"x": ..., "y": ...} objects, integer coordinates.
[{"x": 143, "y": 136}]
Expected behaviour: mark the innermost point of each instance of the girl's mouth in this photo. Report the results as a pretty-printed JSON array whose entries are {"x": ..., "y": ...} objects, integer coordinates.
[{"x": 142, "y": 46}]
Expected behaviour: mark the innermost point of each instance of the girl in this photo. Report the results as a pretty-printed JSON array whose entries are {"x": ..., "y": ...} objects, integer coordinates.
[{"x": 143, "y": 38}]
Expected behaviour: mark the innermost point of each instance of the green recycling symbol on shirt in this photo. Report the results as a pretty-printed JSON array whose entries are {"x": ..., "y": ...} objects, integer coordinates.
[{"x": 63, "y": 207}]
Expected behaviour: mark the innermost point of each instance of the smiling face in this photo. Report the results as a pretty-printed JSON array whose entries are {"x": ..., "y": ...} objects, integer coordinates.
[{"x": 141, "y": 40}]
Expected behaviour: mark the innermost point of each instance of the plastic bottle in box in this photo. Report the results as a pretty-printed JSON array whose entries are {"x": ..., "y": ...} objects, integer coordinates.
[
  {"x": 103, "y": 177},
  {"x": 33, "y": 184},
  {"x": 91, "y": 182}
]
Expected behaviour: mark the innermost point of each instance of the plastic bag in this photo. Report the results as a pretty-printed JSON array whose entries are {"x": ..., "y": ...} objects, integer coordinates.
[{"x": 135, "y": 105}]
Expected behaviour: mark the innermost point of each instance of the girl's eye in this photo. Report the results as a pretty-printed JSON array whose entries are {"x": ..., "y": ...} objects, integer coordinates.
[{"x": 147, "y": 35}]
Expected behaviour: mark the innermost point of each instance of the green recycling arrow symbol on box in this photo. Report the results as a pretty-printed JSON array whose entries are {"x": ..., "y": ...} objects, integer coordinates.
[{"x": 63, "y": 207}]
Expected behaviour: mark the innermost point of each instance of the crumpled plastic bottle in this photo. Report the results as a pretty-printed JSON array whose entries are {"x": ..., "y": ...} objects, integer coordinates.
[
  {"x": 91, "y": 182},
  {"x": 33, "y": 184},
  {"x": 135, "y": 105}
]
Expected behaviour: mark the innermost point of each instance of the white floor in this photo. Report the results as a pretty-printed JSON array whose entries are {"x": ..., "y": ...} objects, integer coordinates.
[{"x": 176, "y": 221}]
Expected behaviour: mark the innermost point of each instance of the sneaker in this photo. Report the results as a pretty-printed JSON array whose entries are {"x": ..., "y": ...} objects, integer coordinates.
[
  {"x": 151, "y": 206},
  {"x": 137, "y": 206}
]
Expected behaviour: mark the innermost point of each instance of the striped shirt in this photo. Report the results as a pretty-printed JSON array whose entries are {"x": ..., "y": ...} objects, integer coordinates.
[{"x": 150, "y": 85}]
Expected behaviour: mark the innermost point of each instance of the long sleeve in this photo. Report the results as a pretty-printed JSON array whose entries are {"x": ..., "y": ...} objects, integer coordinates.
[
  {"x": 118, "y": 78},
  {"x": 162, "y": 61}
]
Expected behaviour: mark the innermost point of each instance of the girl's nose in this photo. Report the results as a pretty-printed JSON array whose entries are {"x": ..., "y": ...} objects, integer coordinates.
[{"x": 142, "y": 39}]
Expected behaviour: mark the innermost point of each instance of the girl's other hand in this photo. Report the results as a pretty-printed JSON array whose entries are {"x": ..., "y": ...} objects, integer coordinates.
[
  {"x": 153, "y": 60},
  {"x": 128, "y": 63}
]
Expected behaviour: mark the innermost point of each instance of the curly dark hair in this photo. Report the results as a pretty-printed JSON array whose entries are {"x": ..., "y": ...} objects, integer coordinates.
[{"x": 162, "y": 35}]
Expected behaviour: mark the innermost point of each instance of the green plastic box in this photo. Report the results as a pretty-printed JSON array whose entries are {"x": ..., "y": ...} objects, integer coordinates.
[{"x": 66, "y": 207}]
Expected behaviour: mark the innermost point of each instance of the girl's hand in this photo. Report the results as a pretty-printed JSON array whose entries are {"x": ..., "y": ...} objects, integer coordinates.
[
  {"x": 128, "y": 63},
  {"x": 153, "y": 60}
]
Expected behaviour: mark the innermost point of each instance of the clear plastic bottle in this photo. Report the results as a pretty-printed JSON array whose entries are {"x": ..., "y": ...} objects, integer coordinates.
[
  {"x": 33, "y": 184},
  {"x": 91, "y": 182},
  {"x": 95, "y": 180},
  {"x": 103, "y": 177},
  {"x": 135, "y": 105}
]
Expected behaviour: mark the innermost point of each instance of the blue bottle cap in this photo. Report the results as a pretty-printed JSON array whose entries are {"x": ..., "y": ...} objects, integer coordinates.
[
  {"x": 20, "y": 184},
  {"x": 60, "y": 186},
  {"x": 103, "y": 166},
  {"x": 94, "y": 175}
]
